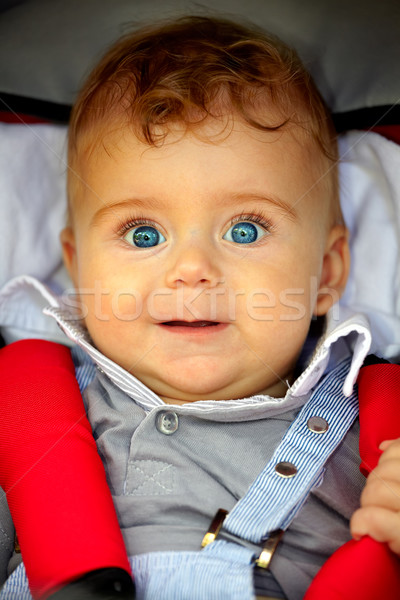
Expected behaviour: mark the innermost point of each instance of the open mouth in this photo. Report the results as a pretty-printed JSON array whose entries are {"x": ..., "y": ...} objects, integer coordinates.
[{"x": 190, "y": 323}]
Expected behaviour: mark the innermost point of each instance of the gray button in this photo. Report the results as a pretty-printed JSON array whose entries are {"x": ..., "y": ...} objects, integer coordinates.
[
  {"x": 167, "y": 422},
  {"x": 317, "y": 425},
  {"x": 285, "y": 469}
]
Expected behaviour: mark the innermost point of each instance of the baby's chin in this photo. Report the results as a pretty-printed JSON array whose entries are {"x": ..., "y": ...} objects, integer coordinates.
[
  {"x": 203, "y": 389},
  {"x": 184, "y": 392}
]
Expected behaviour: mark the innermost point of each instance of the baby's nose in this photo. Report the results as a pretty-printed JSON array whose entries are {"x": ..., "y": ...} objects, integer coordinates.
[{"x": 194, "y": 265}]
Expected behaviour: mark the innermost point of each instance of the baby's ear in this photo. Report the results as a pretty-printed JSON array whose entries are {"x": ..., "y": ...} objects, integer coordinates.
[
  {"x": 335, "y": 269},
  {"x": 68, "y": 245}
]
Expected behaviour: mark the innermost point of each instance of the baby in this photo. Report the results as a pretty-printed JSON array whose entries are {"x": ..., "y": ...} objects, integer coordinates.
[{"x": 204, "y": 238}]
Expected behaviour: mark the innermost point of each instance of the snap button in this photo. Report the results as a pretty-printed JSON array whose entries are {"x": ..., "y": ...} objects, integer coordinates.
[
  {"x": 285, "y": 469},
  {"x": 167, "y": 422},
  {"x": 317, "y": 425}
]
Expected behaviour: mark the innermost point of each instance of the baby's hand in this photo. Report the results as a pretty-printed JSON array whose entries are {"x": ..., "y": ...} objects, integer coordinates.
[{"x": 379, "y": 515}]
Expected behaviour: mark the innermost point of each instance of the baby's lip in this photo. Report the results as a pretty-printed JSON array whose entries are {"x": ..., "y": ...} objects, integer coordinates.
[
  {"x": 190, "y": 323},
  {"x": 198, "y": 329}
]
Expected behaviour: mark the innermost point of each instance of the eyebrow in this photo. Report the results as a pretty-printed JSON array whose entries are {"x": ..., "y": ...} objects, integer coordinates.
[
  {"x": 145, "y": 203},
  {"x": 151, "y": 203},
  {"x": 248, "y": 197}
]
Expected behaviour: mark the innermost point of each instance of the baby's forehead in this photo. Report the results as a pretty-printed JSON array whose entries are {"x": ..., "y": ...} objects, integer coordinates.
[{"x": 118, "y": 149}]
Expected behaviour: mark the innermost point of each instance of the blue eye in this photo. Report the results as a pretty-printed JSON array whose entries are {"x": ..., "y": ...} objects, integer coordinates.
[
  {"x": 244, "y": 233},
  {"x": 144, "y": 236}
]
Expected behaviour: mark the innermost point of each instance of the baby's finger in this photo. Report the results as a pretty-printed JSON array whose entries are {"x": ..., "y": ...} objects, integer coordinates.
[
  {"x": 391, "y": 449},
  {"x": 381, "y": 492},
  {"x": 388, "y": 469},
  {"x": 384, "y": 445},
  {"x": 381, "y": 524}
]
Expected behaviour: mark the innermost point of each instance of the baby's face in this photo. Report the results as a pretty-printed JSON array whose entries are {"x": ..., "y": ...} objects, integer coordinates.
[{"x": 199, "y": 263}]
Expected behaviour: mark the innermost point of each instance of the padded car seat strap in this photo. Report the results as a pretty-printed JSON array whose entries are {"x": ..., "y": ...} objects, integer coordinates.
[{"x": 366, "y": 568}]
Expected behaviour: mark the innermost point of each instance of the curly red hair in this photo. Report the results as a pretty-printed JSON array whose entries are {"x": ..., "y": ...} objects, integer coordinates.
[{"x": 192, "y": 68}]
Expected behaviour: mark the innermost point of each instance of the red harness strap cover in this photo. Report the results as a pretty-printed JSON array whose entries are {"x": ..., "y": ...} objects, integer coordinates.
[{"x": 71, "y": 527}]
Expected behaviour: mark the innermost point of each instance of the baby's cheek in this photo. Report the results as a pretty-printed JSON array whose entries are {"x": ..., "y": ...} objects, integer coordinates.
[
  {"x": 282, "y": 306},
  {"x": 125, "y": 305}
]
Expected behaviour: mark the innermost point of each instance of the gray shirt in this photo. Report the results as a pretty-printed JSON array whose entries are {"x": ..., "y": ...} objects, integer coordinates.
[{"x": 170, "y": 469}]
